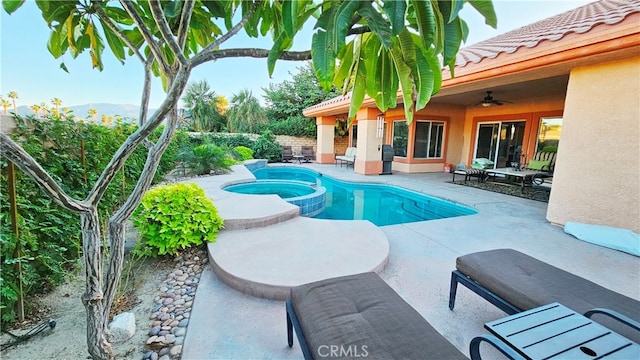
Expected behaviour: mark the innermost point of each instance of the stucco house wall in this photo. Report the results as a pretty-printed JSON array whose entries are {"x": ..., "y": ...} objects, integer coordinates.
[{"x": 597, "y": 178}]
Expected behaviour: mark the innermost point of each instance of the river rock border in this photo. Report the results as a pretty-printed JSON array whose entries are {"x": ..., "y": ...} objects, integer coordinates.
[{"x": 172, "y": 309}]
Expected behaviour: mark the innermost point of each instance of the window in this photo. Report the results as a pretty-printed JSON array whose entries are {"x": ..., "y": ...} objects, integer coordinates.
[
  {"x": 400, "y": 136},
  {"x": 354, "y": 135},
  {"x": 549, "y": 134},
  {"x": 428, "y": 139}
]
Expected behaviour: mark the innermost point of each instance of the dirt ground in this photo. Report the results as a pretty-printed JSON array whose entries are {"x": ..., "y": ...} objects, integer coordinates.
[{"x": 68, "y": 339}]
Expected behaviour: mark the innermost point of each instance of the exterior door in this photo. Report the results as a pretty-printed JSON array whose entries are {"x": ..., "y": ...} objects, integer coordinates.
[{"x": 500, "y": 142}]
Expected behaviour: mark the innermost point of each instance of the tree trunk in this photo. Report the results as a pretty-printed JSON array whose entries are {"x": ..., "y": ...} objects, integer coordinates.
[{"x": 97, "y": 343}]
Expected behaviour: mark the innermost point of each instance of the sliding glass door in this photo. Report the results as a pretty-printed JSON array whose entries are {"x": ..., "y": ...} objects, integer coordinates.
[{"x": 500, "y": 142}]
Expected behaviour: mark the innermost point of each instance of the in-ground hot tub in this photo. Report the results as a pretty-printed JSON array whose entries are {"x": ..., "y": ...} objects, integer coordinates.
[{"x": 308, "y": 196}]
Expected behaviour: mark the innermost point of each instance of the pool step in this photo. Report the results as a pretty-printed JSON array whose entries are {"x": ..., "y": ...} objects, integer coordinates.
[
  {"x": 268, "y": 262},
  {"x": 241, "y": 211}
]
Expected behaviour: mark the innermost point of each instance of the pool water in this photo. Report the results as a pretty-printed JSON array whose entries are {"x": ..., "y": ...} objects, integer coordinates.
[
  {"x": 381, "y": 204},
  {"x": 282, "y": 189}
]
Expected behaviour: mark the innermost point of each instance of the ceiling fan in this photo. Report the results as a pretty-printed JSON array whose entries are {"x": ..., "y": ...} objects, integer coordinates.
[{"x": 490, "y": 101}]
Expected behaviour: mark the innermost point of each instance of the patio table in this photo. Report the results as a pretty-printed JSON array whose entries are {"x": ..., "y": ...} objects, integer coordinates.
[
  {"x": 554, "y": 331},
  {"x": 523, "y": 175}
]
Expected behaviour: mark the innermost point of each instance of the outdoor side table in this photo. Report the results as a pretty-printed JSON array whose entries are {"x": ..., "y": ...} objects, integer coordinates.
[
  {"x": 556, "y": 332},
  {"x": 298, "y": 158}
]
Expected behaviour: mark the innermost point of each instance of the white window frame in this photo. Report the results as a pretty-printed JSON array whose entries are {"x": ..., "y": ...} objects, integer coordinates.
[{"x": 441, "y": 124}]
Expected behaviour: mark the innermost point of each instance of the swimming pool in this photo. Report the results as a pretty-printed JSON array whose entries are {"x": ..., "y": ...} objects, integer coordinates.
[{"x": 381, "y": 204}]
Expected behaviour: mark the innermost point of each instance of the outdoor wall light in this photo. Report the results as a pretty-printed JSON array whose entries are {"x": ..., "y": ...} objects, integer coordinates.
[{"x": 380, "y": 126}]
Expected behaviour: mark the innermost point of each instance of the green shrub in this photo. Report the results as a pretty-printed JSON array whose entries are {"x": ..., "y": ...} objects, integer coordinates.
[
  {"x": 173, "y": 217},
  {"x": 267, "y": 148},
  {"x": 243, "y": 153},
  {"x": 236, "y": 140},
  {"x": 206, "y": 159},
  {"x": 299, "y": 126},
  {"x": 222, "y": 139}
]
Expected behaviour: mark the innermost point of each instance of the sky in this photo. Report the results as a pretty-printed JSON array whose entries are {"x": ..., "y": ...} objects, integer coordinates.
[{"x": 27, "y": 67}]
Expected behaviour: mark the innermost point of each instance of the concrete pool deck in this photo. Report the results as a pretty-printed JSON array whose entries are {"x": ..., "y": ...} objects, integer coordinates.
[{"x": 228, "y": 324}]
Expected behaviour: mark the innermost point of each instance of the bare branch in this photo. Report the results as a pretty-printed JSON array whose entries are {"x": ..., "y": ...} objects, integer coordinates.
[
  {"x": 173, "y": 95},
  {"x": 111, "y": 25},
  {"x": 165, "y": 30},
  {"x": 146, "y": 91},
  {"x": 250, "y": 52},
  {"x": 155, "y": 49},
  {"x": 116, "y": 222},
  {"x": 219, "y": 41},
  {"x": 185, "y": 21},
  {"x": 359, "y": 30},
  {"x": 25, "y": 162}
]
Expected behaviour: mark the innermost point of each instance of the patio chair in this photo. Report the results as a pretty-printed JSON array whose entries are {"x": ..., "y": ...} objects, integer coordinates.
[
  {"x": 307, "y": 152},
  {"x": 468, "y": 173},
  {"x": 287, "y": 154},
  {"x": 516, "y": 282},
  {"x": 361, "y": 316},
  {"x": 348, "y": 158}
]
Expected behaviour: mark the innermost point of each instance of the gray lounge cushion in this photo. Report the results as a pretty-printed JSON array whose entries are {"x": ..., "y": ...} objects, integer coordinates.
[
  {"x": 362, "y": 313},
  {"x": 528, "y": 283}
]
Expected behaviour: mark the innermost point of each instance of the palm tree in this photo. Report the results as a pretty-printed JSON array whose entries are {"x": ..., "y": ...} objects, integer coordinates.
[
  {"x": 5, "y": 105},
  {"x": 36, "y": 109},
  {"x": 45, "y": 109},
  {"x": 56, "y": 103},
  {"x": 245, "y": 113},
  {"x": 93, "y": 112},
  {"x": 201, "y": 102},
  {"x": 66, "y": 112},
  {"x": 13, "y": 96}
]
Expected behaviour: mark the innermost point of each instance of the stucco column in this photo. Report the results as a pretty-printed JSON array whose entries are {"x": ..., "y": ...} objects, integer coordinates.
[
  {"x": 369, "y": 154},
  {"x": 325, "y": 128}
]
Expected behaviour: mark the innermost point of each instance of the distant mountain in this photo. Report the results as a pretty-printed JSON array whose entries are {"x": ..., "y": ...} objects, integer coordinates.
[{"x": 82, "y": 111}]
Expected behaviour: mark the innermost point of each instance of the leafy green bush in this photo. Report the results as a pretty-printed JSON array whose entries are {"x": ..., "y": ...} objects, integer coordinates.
[
  {"x": 222, "y": 139},
  {"x": 49, "y": 241},
  {"x": 173, "y": 217},
  {"x": 243, "y": 152},
  {"x": 299, "y": 126},
  {"x": 207, "y": 159},
  {"x": 266, "y": 147}
]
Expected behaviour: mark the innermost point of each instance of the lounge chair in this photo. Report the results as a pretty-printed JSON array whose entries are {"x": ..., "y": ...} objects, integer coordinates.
[
  {"x": 516, "y": 282},
  {"x": 361, "y": 316},
  {"x": 468, "y": 173},
  {"x": 287, "y": 154},
  {"x": 541, "y": 184},
  {"x": 307, "y": 152},
  {"x": 348, "y": 158},
  {"x": 543, "y": 161}
]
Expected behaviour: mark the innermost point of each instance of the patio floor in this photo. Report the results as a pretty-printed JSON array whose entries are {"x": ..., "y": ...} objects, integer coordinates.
[{"x": 228, "y": 324}]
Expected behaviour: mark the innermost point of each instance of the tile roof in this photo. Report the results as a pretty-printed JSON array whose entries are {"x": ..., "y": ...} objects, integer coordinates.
[{"x": 579, "y": 21}]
